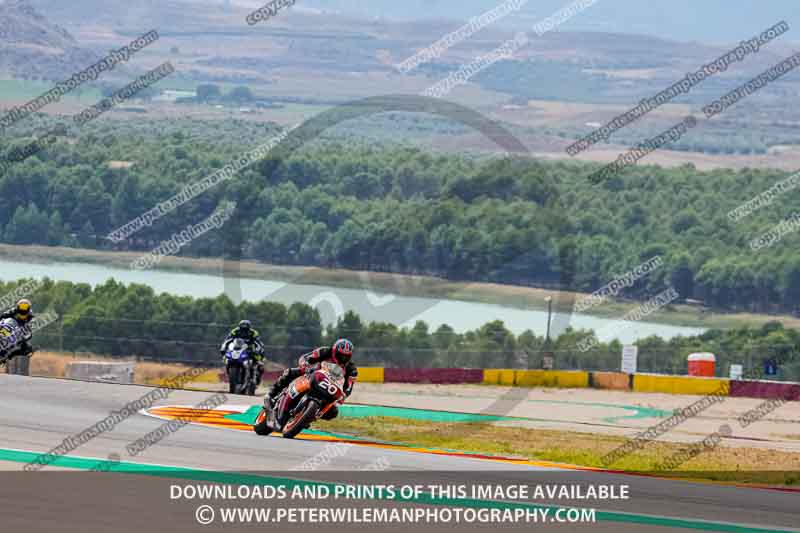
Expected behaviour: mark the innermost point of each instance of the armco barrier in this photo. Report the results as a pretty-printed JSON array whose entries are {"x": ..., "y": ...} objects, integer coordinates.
[
  {"x": 610, "y": 380},
  {"x": 371, "y": 374},
  {"x": 765, "y": 389},
  {"x": 431, "y": 375},
  {"x": 679, "y": 384},
  {"x": 499, "y": 376},
  {"x": 536, "y": 378},
  {"x": 570, "y": 379}
]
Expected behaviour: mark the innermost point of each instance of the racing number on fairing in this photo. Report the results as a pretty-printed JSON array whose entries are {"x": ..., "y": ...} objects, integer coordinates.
[{"x": 331, "y": 387}]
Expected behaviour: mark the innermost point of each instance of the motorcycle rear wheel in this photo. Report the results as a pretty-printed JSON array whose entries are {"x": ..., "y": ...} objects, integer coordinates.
[{"x": 301, "y": 420}]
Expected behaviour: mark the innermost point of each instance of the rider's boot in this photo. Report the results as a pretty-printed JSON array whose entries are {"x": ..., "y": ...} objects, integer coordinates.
[
  {"x": 281, "y": 383},
  {"x": 272, "y": 395}
]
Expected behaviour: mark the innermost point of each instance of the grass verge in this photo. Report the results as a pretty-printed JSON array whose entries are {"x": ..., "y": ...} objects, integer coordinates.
[{"x": 741, "y": 465}]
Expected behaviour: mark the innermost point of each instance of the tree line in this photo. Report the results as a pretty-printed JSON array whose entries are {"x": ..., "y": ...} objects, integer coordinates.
[
  {"x": 132, "y": 320},
  {"x": 398, "y": 209}
]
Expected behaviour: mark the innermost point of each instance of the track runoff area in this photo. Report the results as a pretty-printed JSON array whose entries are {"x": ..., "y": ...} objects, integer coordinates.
[{"x": 212, "y": 472}]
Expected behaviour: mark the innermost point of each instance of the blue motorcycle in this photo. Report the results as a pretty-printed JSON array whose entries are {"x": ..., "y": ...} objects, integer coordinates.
[
  {"x": 11, "y": 336},
  {"x": 240, "y": 367}
]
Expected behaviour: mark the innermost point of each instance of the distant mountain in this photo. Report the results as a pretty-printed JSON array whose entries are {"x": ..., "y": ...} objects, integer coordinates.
[
  {"x": 22, "y": 24},
  {"x": 32, "y": 47},
  {"x": 709, "y": 21},
  {"x": 706, "y": 21}
]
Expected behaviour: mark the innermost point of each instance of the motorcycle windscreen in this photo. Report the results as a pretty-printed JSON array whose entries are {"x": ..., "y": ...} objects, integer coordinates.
[
  {"x": 236, "y": 349},
  {"x": 335, "y": 372}
]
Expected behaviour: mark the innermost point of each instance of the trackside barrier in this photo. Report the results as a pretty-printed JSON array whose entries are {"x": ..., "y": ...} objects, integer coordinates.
[
  {"x": 499, "y": 376},
  {"x": 765, "y": 389},
  {"x": 610, "y": 380},
  {"x": 371, "y": 374},
  {"x": 680, "y": 384},
  {"x": 439, "y": 376},
  {"x": 536, "y": 378},
  {"x": 569, "y": 379},
  {"x": 510, "y": 377}
]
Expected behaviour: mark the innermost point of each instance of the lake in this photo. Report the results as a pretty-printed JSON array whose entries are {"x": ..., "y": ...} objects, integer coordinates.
[{"x": 332, "y": 302}]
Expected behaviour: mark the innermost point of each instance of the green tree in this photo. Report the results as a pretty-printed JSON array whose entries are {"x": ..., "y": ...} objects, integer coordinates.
[
  {"x": 207, "y": 92},
  {"x": 16, "y": 232},
  {"x": 240, "y": 95},
  {"x": 304, "y": 327},
  {"x": 55, "y": 230},
  {"x": 349, "y": 326},
  {"x": 87, "y": 236}
]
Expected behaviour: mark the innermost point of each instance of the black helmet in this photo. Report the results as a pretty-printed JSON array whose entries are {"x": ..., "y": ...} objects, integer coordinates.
[
  {"x": 22, "y": 311},
  {"x": 246, "y": 325},
  {"x": 342, "y": 351}
]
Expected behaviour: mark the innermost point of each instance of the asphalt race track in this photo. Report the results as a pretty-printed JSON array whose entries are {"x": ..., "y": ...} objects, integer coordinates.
[{"x": 38, "y": 413}]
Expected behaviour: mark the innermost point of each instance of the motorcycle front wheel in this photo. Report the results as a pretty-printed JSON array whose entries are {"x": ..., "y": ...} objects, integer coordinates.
[
  {"x": 234, "y": 379},
  {"x": 261, "y": 427},
  {"x": 301, "y": 420}
]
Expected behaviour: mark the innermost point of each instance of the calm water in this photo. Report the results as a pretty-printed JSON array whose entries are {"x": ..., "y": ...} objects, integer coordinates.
[{"x": 333, "y": 302}]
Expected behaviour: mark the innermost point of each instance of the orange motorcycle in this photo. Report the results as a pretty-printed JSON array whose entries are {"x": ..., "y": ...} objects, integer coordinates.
[{"x": 305, "y": 400}]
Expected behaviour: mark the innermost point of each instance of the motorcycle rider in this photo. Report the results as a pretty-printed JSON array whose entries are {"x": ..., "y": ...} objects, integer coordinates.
[
  {"x": 22, "y": 313},
  {"x": 250, "y": 335},
  {"x": 340, "y": 353}
]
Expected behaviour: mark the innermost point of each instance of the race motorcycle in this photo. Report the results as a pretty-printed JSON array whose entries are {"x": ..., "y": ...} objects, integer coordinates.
[
  {"x": 304, "y": 401},
  {"x": 11, "y": 336},
  {"x": 241, "y": 368}
]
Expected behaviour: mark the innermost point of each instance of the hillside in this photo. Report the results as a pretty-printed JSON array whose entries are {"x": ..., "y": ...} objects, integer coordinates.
[
  {"x": 32, "y": 47},
  {"x": 305, "y": 60}
]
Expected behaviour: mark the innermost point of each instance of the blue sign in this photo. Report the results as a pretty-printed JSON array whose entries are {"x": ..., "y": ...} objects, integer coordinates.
[{"x": 770, "y": 367}]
